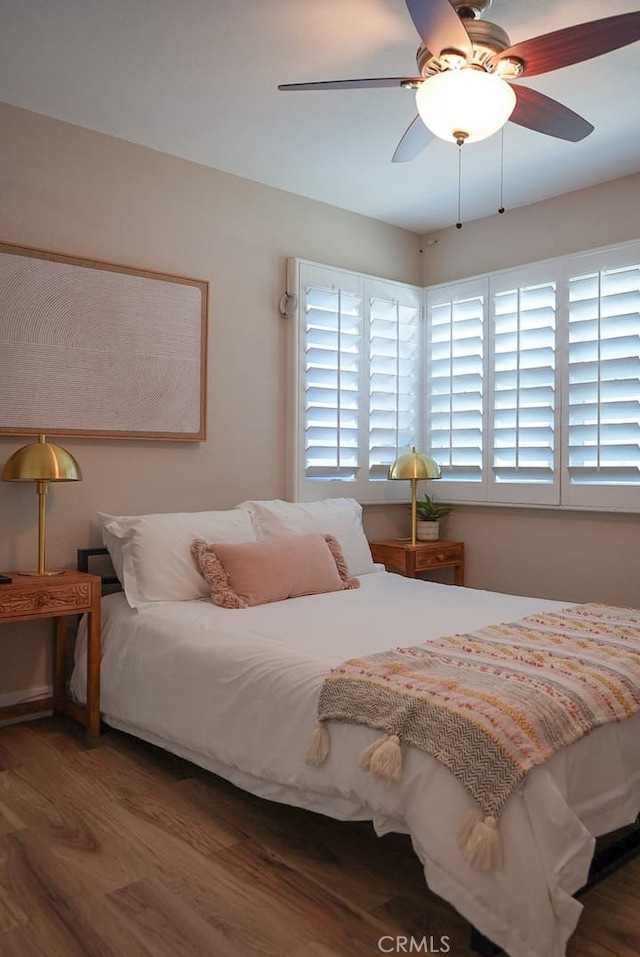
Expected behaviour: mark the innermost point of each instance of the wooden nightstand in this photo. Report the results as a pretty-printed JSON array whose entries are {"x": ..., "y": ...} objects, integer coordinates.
[
  {"x": 401, "y": 556},
  {"x": 29, "y": 597}
]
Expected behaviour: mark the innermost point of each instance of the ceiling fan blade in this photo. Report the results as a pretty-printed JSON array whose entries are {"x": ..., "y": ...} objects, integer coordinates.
[
  {"x": 439, "y": 26},
  {"x": 573, "y": 44},
  {"x": 544, "y": 115},
  {"x": 365, "y": 84},
  {"x": 414, "y": 140}
]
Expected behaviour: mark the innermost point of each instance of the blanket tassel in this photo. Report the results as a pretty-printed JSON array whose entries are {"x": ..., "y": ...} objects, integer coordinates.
[
  {"x": 365, "y": 756},
  {"x": 384, "y": 758},
  {"x": 318, "y": 747},
  {"x": 480, "y": 840}
]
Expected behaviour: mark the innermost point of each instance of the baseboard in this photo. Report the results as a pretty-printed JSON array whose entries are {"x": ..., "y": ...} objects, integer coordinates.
[
  {"x": 11, "y": 698},
  {"x": 8, "y": 698}
]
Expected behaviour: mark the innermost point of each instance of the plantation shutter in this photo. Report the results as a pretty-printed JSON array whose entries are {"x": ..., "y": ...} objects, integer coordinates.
[
  {"x": 455, "y": 385},
  {"x": 524, "y": 385},
  {"x": 394, "y": 376},
  {"x": 355, "y": 399},
  {"x": 603, "y": 392},
  {"x": 333, "y": 370},
  {"x": 523, "y": 406}
]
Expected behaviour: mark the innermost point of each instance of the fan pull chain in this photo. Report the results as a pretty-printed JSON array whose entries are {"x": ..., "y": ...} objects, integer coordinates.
[
  {"x": 501, "y": 210},
  {"x": 460, "y": 145}
]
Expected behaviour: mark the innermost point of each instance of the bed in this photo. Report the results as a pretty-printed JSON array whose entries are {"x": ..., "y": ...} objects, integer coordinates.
[{"x": 236, "y": 692}]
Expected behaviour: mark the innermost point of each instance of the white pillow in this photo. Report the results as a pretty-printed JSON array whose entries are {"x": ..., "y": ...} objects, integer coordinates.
[
  {"x": 151, "y": 554},
  {"x": 340, "y": 517}
]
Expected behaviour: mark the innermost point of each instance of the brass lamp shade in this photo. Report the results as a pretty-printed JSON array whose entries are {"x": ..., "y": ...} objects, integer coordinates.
[
  {"x": 414, "y": 466},
  {"x": 41, "y": 462}
]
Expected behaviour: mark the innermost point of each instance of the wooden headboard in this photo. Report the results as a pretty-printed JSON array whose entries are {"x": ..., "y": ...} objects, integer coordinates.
[{"x": 97, "y": 561}]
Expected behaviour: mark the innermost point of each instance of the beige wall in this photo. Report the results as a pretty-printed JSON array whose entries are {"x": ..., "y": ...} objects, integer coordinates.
[
  {"x": 573, "y": 555},
  {"x": 566, "y": 555},
  {"x": 78, "y": 192},
  {"x": 586, "y": 219}
]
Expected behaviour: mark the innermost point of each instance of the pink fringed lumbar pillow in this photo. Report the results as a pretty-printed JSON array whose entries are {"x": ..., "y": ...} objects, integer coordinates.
[{"x": 254, "y": 573}]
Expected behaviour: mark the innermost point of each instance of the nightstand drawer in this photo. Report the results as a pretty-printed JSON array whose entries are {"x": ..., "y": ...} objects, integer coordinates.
[
  {"x": 445, "y": 555},
  {"x": 45, "y": 599}
]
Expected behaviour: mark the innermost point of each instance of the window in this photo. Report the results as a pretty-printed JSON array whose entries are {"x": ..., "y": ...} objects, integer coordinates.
[
  {"x": 491, "y": 385},
  {"x": 394, "y": 369},
  {"x": 524, "y": 385},
  {"x": 333, "y": 373},
  {"x": 603, "y": 381},
  {"x": 356, "y": 389},
  {"x": 455, "y": 384}
]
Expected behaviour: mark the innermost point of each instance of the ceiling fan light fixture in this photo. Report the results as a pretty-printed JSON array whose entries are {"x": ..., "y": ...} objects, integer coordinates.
[{"x": 466, "y": 101}]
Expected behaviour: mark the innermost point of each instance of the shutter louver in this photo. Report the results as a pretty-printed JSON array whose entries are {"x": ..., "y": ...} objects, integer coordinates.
[{"x": 604, "y": 378}]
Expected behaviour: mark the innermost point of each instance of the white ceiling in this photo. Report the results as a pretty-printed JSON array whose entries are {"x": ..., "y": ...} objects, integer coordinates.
[{"x": 198, "y": 78}]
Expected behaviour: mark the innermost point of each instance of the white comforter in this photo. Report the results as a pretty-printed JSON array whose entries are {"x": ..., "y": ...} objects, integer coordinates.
[{"x": 235, "y": 691}]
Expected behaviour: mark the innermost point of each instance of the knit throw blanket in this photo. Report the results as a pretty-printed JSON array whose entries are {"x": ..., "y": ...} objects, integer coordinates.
[{"x": 489, "y": 705}]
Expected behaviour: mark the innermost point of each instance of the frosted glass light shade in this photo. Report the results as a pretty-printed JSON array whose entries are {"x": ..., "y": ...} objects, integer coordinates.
[{"x": 465, "y": 101}]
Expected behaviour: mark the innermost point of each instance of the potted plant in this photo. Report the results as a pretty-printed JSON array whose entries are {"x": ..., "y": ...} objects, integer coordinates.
[{"x": 428, "y": 514}]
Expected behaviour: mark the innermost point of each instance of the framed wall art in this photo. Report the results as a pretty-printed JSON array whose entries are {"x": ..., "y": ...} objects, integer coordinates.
[{"x": 95, "y": 349}]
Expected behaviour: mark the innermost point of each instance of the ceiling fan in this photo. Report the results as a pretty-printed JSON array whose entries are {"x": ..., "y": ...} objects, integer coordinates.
[{"x": 466, "y": 66}]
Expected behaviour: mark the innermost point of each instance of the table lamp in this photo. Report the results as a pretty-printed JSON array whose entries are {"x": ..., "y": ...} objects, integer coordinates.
[
  {"x": 42, "y": 462},
  {"x": 413, "y": 466}
]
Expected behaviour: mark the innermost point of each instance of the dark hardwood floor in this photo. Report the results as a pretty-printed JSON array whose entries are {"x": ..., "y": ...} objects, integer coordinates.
[{"x": 125, "y": 851}]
